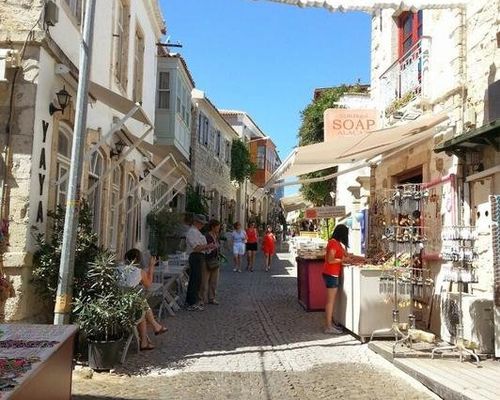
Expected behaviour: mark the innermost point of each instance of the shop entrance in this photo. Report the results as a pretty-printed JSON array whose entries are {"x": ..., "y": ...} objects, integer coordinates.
[{"x": 413, "y": 176}]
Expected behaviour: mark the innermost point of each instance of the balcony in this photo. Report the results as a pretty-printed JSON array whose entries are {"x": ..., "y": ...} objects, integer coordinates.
[{"x": 405, "y": 79}]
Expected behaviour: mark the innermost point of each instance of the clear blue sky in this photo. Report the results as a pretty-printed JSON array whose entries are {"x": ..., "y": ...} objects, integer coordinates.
[{"x": 267, "y": 58}]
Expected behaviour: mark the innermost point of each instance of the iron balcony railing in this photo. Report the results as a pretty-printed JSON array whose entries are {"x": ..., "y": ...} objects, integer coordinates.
[{"x": 405, "y": 78}]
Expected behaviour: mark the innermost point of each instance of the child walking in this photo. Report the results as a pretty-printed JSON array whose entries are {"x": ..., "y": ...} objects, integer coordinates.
[{"x": 268, "y": 247}]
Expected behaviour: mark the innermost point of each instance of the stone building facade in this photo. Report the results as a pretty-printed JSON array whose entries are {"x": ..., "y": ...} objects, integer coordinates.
[
  {"x": 426, "y": 62},
  {"x": 253, "y": 201},
  {"x": 35, "y": 165},
  {"x": 211, "y": 142}
]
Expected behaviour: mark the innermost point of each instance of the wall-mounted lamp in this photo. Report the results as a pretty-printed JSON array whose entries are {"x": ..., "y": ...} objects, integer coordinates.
[
  {"x": 117, "y": 151},
  {"x": 144, "y": 175},
  {"x": 63, "y": 98}
]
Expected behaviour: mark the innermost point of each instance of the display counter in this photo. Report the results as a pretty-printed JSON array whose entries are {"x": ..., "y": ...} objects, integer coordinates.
[
  {"x": 310, "y": 286},
  {"x": 360, "y": 307},
  {"x": 36, "y": 361}
]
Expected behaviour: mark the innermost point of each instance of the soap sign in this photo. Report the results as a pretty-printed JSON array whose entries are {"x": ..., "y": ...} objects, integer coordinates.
[
  {"x": 348, "y": 122},
  {"x": 325, "y": 212}
]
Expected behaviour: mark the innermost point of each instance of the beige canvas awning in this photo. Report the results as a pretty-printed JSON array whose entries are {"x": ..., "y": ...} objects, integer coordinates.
[
  {"x": 118, "y": 102},
  {"x": 350, "y": 149},
  {"x": 381, "y": 141},
  {"x": 294, "y": 203}
]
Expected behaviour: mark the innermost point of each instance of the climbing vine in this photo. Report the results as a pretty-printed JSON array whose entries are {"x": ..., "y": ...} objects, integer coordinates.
[
  {"x": 242, "y": 166},
  {"x": 312, "y": 131}
]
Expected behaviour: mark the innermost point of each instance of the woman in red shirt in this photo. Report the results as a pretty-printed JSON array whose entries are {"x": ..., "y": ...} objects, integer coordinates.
[
  {"x": 251, "y": 246},
  {"x": 336, "y": 250},
  {"x": 268, "y": 247}
]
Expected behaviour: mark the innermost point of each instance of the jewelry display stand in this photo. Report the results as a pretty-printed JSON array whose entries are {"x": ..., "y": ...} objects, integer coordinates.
[
  {"x": 404, "y": 237},
  {"x": 458, "y": 249}
]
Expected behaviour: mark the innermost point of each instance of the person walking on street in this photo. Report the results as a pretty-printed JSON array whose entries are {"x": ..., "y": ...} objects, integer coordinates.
[
  {"x": 212, "y": 264},
  {"x": 268, "y": 247},
  {"x": 251, "y": 246},
  {"x": 239, "y": 239},
  {"x": 196, "y": 247}
]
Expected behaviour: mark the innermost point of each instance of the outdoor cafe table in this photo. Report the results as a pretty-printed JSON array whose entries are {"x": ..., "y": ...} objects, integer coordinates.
[{"x": 47, "y": 353}]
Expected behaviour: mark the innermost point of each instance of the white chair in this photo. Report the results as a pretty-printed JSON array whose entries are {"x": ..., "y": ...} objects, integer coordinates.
[{"x": 133, "y": 333}]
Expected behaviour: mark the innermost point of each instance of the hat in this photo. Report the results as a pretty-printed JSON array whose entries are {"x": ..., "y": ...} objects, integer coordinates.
[{"x": 200, "y": 218}]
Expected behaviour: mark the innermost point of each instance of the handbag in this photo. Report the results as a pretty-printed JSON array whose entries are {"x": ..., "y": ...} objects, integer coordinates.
[{"x": 213, "y": 263}]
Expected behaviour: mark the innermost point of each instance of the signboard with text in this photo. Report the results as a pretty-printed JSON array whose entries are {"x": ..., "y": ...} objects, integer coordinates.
[
  {"x": 325, "y": 212},
  {"x": 348, "y": 122}
]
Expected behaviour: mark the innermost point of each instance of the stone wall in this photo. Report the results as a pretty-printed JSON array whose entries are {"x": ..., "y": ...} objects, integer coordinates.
[
  {"x": 463, "y": 60},
  {"x": 209, "y": 170},
  {"x": 17, "y": 17}
]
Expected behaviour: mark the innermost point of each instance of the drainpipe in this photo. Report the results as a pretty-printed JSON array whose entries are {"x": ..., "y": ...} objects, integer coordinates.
[{"x": 462, "y": 194}]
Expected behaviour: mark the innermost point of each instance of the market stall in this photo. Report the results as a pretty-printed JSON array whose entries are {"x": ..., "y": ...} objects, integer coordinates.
[{"x": 36, "y": 361}]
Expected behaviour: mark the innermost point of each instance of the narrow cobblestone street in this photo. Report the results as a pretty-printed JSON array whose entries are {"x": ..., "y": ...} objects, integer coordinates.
[{"x": 257, "y": 344}]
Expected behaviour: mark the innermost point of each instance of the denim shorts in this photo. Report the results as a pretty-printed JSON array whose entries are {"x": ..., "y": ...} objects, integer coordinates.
[{"x": 331, "y": 281}]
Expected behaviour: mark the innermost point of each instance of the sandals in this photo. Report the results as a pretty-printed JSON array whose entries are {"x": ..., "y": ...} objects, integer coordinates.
[
  {"x": 161, "y": 331},
  {"x": 148, "y": 347}
]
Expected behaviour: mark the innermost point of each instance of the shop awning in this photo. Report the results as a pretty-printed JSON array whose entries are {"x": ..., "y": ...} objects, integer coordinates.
[
  {"x": 158, "y": 150},
  {"x": 118, "y": 102},
  {"x": 371, "y": 5},
  {"x": 349, "y": 149},
  {"x": 293, "y": 203},
  {"x": 384, "y": 140},
  {"x": 487, "y": 135}
]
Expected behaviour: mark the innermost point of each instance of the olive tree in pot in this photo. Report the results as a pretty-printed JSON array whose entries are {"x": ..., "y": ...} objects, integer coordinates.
[{"x": 106, "y": 312}]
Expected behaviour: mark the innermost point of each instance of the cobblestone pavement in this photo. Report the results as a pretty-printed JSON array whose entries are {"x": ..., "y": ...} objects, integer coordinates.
[{"x": 257, "y": 344}]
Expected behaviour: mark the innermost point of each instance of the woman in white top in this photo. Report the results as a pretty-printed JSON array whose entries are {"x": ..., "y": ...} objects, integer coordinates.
[{"x": 239, "y": 238}]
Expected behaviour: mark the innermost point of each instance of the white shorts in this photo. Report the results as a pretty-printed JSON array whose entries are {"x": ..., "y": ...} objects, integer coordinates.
[{"x": 239, "y": 249}]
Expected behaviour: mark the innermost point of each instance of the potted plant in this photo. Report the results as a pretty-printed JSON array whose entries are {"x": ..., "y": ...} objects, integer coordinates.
[
  {"x": 106, "y": 312},
  {"x": 165, "y": 227}
]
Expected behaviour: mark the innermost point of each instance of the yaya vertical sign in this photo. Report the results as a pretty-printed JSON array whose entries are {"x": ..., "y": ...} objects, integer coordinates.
[{"x": 348, "y": 122}]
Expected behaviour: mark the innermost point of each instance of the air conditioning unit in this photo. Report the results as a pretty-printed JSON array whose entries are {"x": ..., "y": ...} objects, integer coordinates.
[{"x": 477, "y": 319}]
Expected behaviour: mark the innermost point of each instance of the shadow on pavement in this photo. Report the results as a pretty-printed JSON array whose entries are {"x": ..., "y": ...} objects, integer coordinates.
[{"x": 258, "y": 313}]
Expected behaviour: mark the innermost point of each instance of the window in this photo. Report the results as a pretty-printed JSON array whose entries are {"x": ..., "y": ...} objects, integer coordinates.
[
  {"x": 206, "y": 127},
  {"x": 114, "y": 209},
  {"x": 211, "y": 144},
  {"x": 64, "y": 145},
  {"x": 410, "y": 31},
  {"x": 164, "y": 90},
  {"x": 179, "y": 94},
  {"x": 139, "y": 66},
  {"x": 132, "y": 207},
  {"x": 217, "y": 143},
  {"x": 261, "y": 157},
  {"x": 159, "y": 190},
  {"x": 95, "y": 196},
  {"x": 121, "y": 35},
  {"x": 201, "y": 119},
  {"x": 228, "y": 152},
  {"x": 76, "y": 8}
]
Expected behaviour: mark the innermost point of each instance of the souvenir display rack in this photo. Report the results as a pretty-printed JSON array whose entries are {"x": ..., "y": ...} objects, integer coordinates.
[
  {"x": 404, "y": 280},
  {"x": 459, "y": 252}
]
